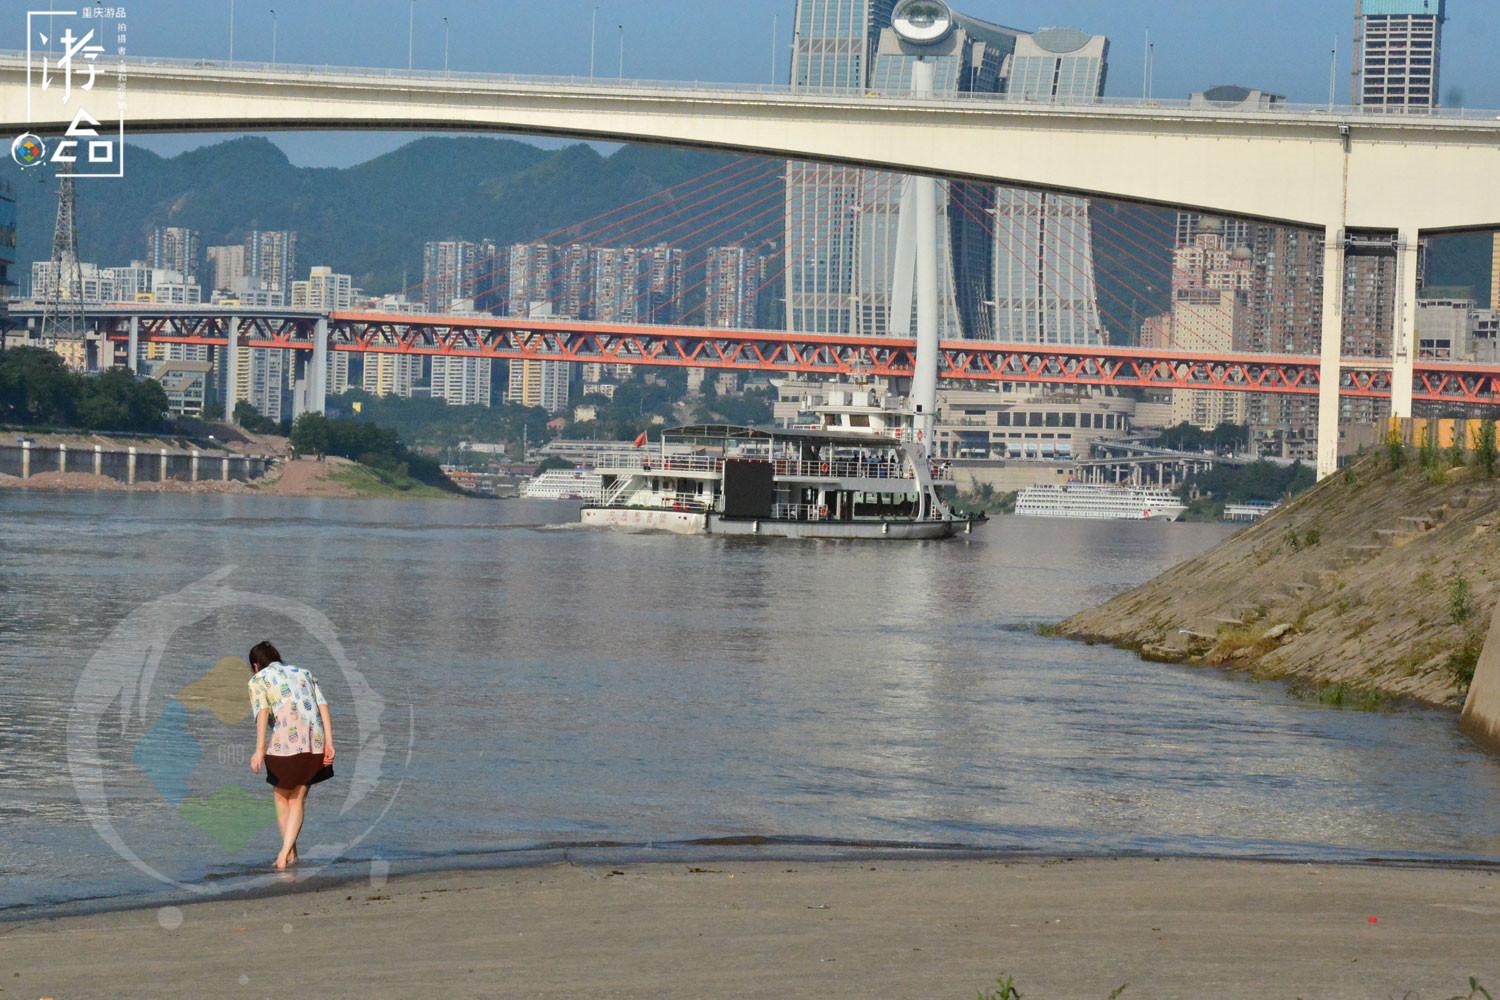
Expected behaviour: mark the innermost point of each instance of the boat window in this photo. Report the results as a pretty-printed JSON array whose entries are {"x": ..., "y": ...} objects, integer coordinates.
[
  {"x": 859, "y": 420},
  {"x": 1035, "y": 420},
  {"x": 1053, "y": 418},
  {"x": 1070, "y": 419},
  {"x": 1002, "y": 419}
]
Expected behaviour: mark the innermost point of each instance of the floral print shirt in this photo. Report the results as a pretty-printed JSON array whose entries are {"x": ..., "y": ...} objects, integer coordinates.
[{"x": 292, "y": 696}]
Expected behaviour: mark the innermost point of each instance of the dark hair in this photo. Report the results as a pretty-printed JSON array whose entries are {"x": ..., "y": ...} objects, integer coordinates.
[{"x": 262, "y": 655}]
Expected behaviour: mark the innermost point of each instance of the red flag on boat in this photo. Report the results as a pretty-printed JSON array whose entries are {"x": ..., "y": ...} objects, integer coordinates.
[{"x": 640, "y": 440}]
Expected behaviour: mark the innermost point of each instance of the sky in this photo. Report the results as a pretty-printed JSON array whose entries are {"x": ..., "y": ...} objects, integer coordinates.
[{"x": 1278, "y": 45}]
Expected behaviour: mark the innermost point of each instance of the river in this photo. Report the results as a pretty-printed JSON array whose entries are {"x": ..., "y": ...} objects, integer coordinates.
[{"x": 507, "y": 687}]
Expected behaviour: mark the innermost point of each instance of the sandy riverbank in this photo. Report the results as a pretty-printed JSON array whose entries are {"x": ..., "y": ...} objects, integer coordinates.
[{"x": 1169, "y": 929}]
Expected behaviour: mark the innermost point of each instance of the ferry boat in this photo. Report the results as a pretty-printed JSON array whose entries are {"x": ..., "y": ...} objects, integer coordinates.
[
  {"x": 858, "y": 473},
  {"x": 1128, "y": 503},
  {"x": 564, "y": 484}
]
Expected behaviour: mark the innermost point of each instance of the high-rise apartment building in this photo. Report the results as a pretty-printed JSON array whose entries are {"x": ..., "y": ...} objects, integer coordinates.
[
  {"x": 1211, "y": 284},
  {"x": 461, "y": 381},
  {"x": 1044, "y": 289},
  {"x": 323, "y": 290},
  {"x": 530, "y": 276},
  {"x": 174, "y": 248},
  {"x": 459, "y": 269},
  {"x": 390, "y": 374},
  {"x": 664, "y": 287},
  {"x": 735, "y": 277},
  {"x": 226, "y": 265},
  {"x": 1397, "y": 53},
  {"x": 271, "y": 259},
  {"x": 538, "y": 383},
  {"x": 620, "y": 276}
]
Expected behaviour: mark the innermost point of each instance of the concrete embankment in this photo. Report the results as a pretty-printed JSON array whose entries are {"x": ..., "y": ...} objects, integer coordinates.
[{"x": 1379, "y": 580}]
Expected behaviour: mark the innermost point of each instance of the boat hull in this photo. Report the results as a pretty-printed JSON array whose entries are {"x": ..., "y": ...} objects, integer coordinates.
[{"x": 689, "y": 523}]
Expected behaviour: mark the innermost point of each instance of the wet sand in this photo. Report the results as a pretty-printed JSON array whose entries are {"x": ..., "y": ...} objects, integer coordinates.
[{"x": 1168, "y": 929}]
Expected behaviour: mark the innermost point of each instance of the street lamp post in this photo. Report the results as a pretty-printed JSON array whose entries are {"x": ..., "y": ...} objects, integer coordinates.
[
  {"x": 411, "y": 30},
  {"x": 231, "y": 30},
  {"x": 445, "y": 46},
  {"x": 622, "y": 52},
  {"x": 273, "y": 36},
  {"x": 593, "y": 35}
]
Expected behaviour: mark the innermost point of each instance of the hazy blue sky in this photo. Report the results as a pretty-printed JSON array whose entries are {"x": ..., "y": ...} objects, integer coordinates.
[{"x": 1280, "y": 45}]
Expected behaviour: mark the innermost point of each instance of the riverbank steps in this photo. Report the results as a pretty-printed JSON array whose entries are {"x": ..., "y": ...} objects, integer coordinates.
[{"x": 1379, "y": 583}]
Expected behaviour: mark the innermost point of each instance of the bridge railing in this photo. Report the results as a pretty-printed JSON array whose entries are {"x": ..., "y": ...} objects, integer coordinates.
[{"x": 617, "y": 85}]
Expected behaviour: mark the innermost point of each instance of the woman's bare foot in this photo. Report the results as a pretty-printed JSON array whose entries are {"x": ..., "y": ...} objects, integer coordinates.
[
  {"x": 292, "y": 858},
  {"x": 281, "y": 862}
]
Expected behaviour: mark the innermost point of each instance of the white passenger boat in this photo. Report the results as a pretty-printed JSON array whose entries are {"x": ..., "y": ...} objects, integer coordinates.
[
  {"x": 563, "y": 484},
  {"x": 1129, "y": 503},
  {"x": 857, "y": 474}
]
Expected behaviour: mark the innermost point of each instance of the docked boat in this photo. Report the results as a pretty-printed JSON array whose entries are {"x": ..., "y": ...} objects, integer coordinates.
[
  {"x": 563, "y": 484},
  {"x": 1128, "y": 503},
  {"x": 857, "y": 474}
]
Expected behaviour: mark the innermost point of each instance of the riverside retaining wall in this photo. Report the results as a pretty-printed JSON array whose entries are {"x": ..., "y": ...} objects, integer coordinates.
[{"x": 130, "y": 465}]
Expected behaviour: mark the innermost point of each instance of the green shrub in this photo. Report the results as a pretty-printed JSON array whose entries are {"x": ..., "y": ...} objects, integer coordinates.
[
  {"x": 1395, "y": 448},
  {"x": 1484, "y": 447},
  {"x": 1463, "y": 661},
  {"x": 1460, "y": 601},
  {"x": 1429, "y": 448}
]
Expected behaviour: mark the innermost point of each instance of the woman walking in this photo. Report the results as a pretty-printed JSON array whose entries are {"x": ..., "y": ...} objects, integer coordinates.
[{"x": 287, "y": 700}]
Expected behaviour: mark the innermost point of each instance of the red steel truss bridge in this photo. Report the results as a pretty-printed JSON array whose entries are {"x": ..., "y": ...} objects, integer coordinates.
[{"x": 512, "y": 338}]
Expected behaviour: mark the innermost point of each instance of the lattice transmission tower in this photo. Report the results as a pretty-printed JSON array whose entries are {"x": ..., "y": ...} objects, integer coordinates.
[{"x": 62, "y": 315}]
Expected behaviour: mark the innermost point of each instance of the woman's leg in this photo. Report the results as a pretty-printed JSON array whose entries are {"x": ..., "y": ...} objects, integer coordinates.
[
  {"x": 280, "y": 810},
  {"x": 295, "y": 800}
]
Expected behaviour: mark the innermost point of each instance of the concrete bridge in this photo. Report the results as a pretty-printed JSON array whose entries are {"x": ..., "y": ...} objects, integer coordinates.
[{"x": 1333, "y": 169}]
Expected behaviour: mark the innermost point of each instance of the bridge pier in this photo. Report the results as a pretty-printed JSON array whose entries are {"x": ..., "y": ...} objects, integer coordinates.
[
  {"x": 132, "y": 346},
  {"x": 1330, "y": 342},
  {"x": 232, "y": 367},
  {"x": 1404, "y": 337},
  {"x": 130, "y": 467},
  {"x": 62, "y": 458},
  {"x": 25, "y": 459},
  {"x": 318, "y": 400}
]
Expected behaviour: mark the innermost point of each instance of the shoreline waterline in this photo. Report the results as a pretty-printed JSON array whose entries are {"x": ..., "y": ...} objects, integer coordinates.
[{"x": 745, "y": 849}]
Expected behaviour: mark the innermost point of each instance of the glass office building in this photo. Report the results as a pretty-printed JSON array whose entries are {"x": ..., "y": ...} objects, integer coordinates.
[{"x": 1043, "y": 254}]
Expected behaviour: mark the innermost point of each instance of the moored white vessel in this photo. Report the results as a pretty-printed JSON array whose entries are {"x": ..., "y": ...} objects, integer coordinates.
[
  {"x": 1121, "y": 503},
  {"x": 563, "y": 484},
  {"x": 857, "y": 474}
]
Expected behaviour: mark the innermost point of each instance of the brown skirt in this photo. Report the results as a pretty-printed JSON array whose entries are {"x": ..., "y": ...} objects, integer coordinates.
[{"x": 297, "y": 769}]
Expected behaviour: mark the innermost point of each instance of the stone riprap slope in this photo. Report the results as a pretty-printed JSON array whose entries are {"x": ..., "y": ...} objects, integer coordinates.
[{"x": 1378, "y": 579}]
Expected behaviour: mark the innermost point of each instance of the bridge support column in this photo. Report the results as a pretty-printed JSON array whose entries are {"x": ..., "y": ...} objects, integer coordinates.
[
  {"x": 132, "y": 345},
  {"x": 98, "y": 459},
  {"x": 62, "y": 458},
  {"x": 318, "y": 401},
  {"x": 25, "y": 459},
  {"x": 193, "y": 468},
  {"x": 1331, "y": 342},
  {"x": 1404, "y": 337},
  {"x": 232, "y": 367},
  {"x": 130, "y": 467},
  {"x": 161, "y": 467}
]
